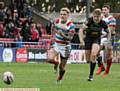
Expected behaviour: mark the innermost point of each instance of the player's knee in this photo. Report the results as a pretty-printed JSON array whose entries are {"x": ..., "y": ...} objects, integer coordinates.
[
  {"x": 61, "y": 68},
  {"x": 94, "y": 56},
  {"x": 87, "y": 60},
  {"x": 51, "y": 56},
  {"x": 51, "y": 53}
]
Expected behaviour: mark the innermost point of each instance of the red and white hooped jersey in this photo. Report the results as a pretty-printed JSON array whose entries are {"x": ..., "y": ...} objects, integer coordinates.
[{"x": 65, "y": 28}]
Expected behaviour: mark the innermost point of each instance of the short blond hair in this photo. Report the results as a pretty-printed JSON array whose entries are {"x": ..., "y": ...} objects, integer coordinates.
[
  {"x": 97, "y": 12},
  {"x": 65, "y": 9}
]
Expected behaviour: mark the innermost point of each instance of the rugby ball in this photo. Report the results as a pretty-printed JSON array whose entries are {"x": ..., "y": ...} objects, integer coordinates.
[{"x": 8, "y": 78}]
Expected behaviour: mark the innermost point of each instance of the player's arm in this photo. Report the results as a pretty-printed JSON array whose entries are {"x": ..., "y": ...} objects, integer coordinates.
[
  {"x": 55, "y": 27},
  {"x": 81, "y": 33},
  {"x": 112, "y": 26},
  {"x": 68, "y": 36},
  {"x": 105, "y": 29}
]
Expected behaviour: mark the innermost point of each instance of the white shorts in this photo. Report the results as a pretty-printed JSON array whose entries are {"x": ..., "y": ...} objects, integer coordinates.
[
  {"x": 108, "y": 45},
  {"x": 105, "y": 42},
  {"x": 64, "y": 50}
]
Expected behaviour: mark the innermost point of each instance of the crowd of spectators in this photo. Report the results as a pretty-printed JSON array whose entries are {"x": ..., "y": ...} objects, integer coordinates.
[
  {"x": 17, "y": 23},
  {"x": 75, "y": 6}
]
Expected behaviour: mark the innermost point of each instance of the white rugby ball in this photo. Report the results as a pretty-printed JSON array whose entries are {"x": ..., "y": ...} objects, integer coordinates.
[{"x": 8, "y": 78}]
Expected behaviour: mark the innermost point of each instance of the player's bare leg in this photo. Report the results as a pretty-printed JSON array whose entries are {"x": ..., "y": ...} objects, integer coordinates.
[
  {"x": 109, "y": 61},
  {"x": 100, "y": 63},
  {"x": 57, "y": 60},
  {"x": 87, "y": 54},
  {"x": 61, "y": 69},
  {"x": 94, "y": 52},
  {"x": 52, "y": 54}
]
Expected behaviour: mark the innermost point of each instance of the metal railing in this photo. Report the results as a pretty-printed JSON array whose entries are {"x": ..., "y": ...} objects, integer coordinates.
[{"x": 46, "y": 44}]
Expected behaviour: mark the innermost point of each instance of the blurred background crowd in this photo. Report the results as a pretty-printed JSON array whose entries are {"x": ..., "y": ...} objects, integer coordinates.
[{"x": 31, "y": 20}]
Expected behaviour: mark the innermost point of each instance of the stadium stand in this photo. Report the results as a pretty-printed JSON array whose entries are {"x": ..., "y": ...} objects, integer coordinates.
[{"x": 14, "y": 19}]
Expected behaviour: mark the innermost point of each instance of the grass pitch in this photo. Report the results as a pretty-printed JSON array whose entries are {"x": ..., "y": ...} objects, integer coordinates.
[{"x": 41, "y": 75}]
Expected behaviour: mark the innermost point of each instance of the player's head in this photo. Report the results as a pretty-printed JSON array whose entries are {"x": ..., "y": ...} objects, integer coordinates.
[
  {"x": 106, "y": 10},
  {"x": 97, "y": 15},
  {"x": 64, "y": 14}
]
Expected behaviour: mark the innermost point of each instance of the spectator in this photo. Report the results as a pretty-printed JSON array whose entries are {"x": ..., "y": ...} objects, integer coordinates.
[
  {"x": 18, "y": 39},
  {"x": 2, "y": 13},
  {"x": 10, "y": 29},
  {"x": 25, "y": 32},
  {"x": 48, "y": 28},
  {"x": 8, "y": 15},
  {"x": 34, "y": 32},
  {"x": 39, "y": 30},
  {"x": 28, "y": 12},
  {"x": 1, "y": 30}
]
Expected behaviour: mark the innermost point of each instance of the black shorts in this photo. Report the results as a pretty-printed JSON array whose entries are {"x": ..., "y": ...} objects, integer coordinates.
[{"x": 90, "y": 41}]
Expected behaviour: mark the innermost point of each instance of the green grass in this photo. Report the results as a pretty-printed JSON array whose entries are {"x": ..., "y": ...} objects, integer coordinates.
[{"x": 41, "y": 75}]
